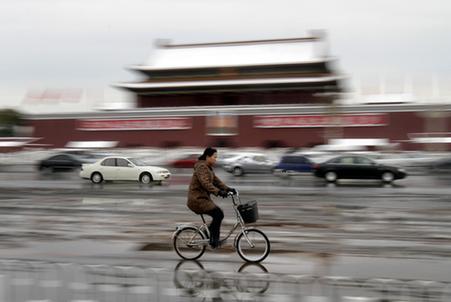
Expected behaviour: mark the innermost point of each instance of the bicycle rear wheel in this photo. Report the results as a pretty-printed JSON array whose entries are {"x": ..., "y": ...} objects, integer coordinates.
[
  {"x": 254, "y": 250},
  {"x": 189, "y": 243}
]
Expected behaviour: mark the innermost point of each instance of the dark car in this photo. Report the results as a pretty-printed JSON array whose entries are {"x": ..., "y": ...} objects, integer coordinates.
[
  {"x": 357, "y": 167},
  {"x": 61, "y": 162},
  {"x": 291, "y": 164},
  {"x": 441, "y": 166}
]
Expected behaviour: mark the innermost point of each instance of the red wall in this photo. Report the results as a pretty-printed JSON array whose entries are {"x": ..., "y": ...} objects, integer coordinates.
[{"x": 57, "y": 133}]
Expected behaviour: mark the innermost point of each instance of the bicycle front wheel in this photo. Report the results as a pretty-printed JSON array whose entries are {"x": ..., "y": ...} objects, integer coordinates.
[
  {"x": 254, "y": 247},
  {"x": 189, "y": 243}
]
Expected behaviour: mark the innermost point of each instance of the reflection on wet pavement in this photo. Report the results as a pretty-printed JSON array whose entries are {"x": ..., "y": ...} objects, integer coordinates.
[{"x": 190, "y": 281}]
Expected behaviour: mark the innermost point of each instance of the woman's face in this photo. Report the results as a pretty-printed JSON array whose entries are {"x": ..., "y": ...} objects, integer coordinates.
[{"x": 211, "y": 160}]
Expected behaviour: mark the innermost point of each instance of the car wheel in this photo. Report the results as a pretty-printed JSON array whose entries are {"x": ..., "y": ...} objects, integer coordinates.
[
  {"x": 237, "y": 171},
  {"x": 45, "y": 170},
  {"x": 96, "y": 177},
  {"x": 285, "y": 174},
  {"x": 146, "y": 178},
  {"x": 388, "y": 177},
  {"x": 331, "y": 176}
]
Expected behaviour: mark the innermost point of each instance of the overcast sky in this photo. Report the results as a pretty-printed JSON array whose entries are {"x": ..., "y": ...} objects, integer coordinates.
[{"x": 87, "y": 44}]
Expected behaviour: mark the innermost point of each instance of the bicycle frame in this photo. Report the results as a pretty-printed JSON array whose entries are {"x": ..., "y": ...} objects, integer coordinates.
[{"x": 239, "y": 223}]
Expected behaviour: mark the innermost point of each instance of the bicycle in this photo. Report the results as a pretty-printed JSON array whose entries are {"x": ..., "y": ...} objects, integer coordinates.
[{"x": 251, "y": 244}]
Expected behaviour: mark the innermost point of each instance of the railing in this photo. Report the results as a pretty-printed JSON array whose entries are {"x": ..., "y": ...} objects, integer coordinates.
[{"x": 189, "y": 281}]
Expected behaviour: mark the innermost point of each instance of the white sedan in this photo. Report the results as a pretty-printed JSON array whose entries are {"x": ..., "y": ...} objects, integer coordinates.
[{"x": 123, "y": 168}]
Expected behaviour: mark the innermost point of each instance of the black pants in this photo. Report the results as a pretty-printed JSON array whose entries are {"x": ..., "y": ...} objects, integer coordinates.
[{"x": 215, "y": 226}]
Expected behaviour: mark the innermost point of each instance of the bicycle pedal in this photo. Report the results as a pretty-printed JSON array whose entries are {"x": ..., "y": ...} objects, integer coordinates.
[
  {"x": 214, "y": 249},
  {"x": 220, "y": 244}
]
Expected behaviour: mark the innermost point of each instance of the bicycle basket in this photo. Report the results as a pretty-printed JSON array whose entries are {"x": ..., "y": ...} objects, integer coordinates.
[{"x": 249, "y": 211}]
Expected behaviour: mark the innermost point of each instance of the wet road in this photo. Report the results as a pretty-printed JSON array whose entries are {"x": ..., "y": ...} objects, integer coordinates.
[{"x": 359, "y": 230}]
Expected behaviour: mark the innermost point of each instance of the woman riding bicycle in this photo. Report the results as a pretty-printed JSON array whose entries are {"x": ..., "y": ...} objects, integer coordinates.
[{"x": 203, "y": 183}]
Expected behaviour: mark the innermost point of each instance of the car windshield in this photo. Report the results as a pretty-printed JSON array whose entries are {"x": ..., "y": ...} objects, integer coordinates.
[
  {"x": 138, "y": 162},
  {"x": 363, "y": 161},
  {"x": 61, "y": 157},
  {"x": 259, "y": 158},
  {"x": 293, "y": 160}
]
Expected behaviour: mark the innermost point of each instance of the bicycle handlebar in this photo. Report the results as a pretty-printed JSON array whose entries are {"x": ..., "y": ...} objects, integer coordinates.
[{"x": 232, "y": 194}]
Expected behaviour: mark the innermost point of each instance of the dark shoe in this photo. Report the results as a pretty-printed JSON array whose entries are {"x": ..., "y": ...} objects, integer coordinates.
[
  {"x": 217, "y": 244},
  {"x": 214, "y": 244}
]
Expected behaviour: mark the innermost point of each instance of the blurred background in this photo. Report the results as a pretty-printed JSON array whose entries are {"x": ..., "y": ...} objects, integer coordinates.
[{"x": 335, "y": 117}]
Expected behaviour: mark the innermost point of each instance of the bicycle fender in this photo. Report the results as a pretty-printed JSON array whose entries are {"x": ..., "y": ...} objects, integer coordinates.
[
  {"x": 181, "y": 226},
  {"x": 236, "y": 237}
]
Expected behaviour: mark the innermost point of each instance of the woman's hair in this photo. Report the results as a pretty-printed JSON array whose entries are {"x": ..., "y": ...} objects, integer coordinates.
[{"x": 209, "y": 151}]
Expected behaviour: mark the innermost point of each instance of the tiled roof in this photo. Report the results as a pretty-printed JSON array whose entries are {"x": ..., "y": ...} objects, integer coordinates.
[{"x": 230, "y": 54}]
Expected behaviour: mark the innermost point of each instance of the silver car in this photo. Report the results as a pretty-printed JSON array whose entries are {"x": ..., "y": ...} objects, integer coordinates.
[{"x": 248, "y": 164}]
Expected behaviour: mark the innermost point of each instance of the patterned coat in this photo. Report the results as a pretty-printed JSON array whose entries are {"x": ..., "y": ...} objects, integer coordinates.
[{"x": 203, "y": 183}]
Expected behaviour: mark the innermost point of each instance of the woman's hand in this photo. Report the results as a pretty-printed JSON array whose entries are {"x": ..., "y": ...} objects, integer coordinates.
[{"x": 222, "y": 193}]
